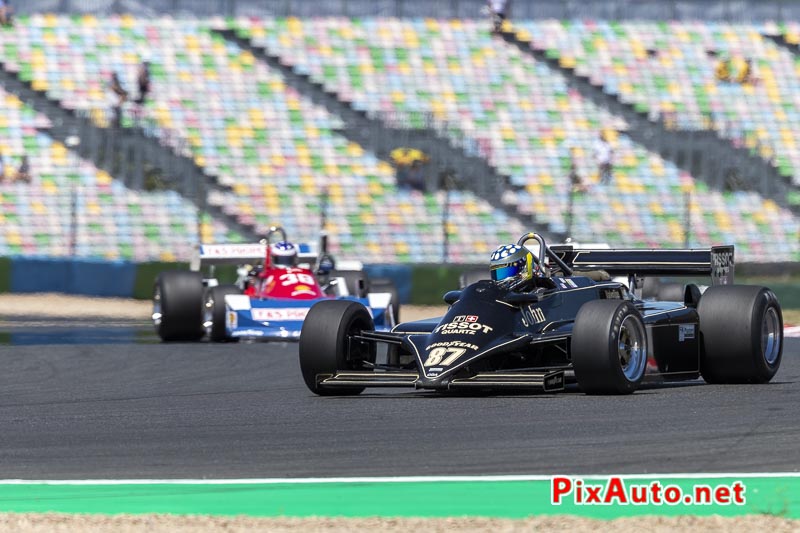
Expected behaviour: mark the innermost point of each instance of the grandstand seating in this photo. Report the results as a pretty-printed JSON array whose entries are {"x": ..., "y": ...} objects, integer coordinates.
[
  {"x": 523, "y": 117},
  {"x": 666, "y": 70},
  {"x": 281, "y": 154},
  {"x": 278, "y": 151},
  {"x": 110, "y": 221}
]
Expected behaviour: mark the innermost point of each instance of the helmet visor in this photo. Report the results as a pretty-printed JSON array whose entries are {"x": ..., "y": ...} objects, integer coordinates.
[
  {"x": 284, "y": 260},
  {"x": 505, "y": 271}
]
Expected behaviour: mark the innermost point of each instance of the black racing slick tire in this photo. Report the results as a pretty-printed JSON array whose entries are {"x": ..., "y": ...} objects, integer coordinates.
[
  {"x": 214, "y": 312},
  {"x": 178, "y": 306},
  {"x": 609, "y": 347},
  {"x": 326, "y": 347},
  {"x": 387, "y": 285},
  {"x": 741, "y": 333}
]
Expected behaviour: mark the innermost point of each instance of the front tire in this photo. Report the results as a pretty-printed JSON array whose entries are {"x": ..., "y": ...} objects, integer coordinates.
[
  {"x": 609, "y": 347},
  {"x": 178, "y": 306},
  {"x": 214, "y": 312},
  {"x": 325, "y": 345},
  {"x": 741, "y": 330}
]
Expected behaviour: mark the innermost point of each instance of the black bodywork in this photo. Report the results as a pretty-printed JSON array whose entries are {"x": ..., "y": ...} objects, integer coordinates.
[{"x": 495, "y": 338}]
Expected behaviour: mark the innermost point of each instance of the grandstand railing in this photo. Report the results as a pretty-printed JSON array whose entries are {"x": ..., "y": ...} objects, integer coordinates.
[{"x": 722, "y": 10}]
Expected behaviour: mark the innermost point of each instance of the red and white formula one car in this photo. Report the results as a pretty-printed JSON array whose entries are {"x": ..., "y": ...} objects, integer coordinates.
[{"x": 270, "y": 299}]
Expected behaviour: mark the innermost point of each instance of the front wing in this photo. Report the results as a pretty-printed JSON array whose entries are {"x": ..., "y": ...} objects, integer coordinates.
[
  {"x": 547, "y": 380},
  {"x": 550, "y": 381}
]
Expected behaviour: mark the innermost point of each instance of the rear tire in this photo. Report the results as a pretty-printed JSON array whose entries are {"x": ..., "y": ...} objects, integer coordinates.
[
  {"x": 741, "y": 331},
  {"x": 214, "y": 312},
  {"x": 609, "y": 347},
  {"x": 325, "y": 347},
  {"x": 178, "y": 306}
]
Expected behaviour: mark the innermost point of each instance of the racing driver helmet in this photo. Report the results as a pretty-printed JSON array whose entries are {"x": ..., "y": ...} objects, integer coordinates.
[
  {"x": 283, "y": 254},
  {"x": 512, "y": 261}
]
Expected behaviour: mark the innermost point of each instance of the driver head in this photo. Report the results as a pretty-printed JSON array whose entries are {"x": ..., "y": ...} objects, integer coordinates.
[
  {"x": 512, "y": 261},
  {"x": 283, "y": 254}
]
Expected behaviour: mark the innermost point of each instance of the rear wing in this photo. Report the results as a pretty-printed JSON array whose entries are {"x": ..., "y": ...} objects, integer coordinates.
[
  {"x": 237, "y": 254},
  {"x": 717, "y": 262}
]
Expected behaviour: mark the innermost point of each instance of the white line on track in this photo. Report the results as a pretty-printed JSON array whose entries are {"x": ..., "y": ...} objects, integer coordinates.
[
  {"x": 399, "y": 479},
  {"x": 791, "y": 331}
]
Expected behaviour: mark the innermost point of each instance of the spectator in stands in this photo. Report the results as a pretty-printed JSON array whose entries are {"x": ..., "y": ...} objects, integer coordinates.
[
  {"x": 722, "y": 71},
  {"x": 143, "y": 84},
  {"x": 2, "y": 169},
  {"x": 416, "y": 176},
  {"x": 410, "y": 164},
  {"x": 604, "y": 156},
  {"x": 24, "y": 170},
  {"x": 143, "y": 81},
  {"x": 122, "y": 97},
  {"x": 575, "y": 179},
  {"x": 5, "y": 13},
  {"x": 402, "y": 162},
  {"x": 745, "y": 74},
  {"x": 447, "y": 180},
  {"x": 498, "y": 10}
]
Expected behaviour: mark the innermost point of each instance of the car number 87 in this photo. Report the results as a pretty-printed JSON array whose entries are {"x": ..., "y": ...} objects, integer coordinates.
[{"x": 437, "y": 356}]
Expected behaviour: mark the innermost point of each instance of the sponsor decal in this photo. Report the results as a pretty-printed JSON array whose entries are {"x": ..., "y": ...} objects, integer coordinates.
[
  {"x": 451, "y": 344},
  {"x": 615, "y": 491},
  {"x": 685, "y": 331},
  {"x": 536, "y": 315},
  {"x": 721, "y": 263},
  {"x": 248, "y": 333},
  {"x": 288, "y": 313},
  {"x": 232, "y": 319},
  {"x": 462, "y": 328},
  {"x": 302, "y": 289},
  {"x": 611, "y": 294},
  {"x": 466, "y": 318},
  {"x": 554, "y": 382},
  {"x": 571, "y": 283},
  {"x": 222, "y": 251}
]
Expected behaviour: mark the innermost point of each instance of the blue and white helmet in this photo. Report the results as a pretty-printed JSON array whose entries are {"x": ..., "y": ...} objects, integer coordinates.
[
  {"x": 511, "y": 261},
  {"x": 283, "y": 253}
]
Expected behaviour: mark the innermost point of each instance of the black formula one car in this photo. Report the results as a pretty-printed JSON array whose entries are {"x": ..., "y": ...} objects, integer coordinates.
[{"x": 574, "y": 325}]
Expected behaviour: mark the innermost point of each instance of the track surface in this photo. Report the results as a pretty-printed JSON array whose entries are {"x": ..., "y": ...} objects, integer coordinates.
[{"x": 241, "y": 410}]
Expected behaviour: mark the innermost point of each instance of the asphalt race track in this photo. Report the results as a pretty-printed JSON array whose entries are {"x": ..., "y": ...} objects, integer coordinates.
[{"x": 133, "y": 408}]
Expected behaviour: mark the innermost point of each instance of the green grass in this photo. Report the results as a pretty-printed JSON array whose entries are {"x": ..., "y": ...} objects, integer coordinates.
[
  {"x": 787, "y": 288},
  {"x": 791, "y": 316}
]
